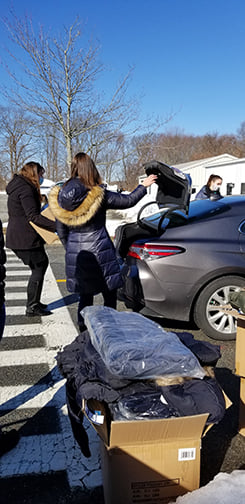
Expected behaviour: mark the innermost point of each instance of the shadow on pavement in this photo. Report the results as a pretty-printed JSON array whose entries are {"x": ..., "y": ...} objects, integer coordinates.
[
  {"x": 220, "y": 437},
  {"x": 64, "y": 301}
]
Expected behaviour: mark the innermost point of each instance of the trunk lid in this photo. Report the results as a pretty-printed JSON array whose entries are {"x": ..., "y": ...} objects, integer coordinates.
[{"x": 174, "y": 186}]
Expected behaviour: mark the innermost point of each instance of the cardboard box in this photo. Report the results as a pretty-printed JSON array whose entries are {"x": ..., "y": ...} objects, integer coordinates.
[
  {"x": 240, "y": 346},
  {"x": 240, "y": 370},
  {"x": 147, "y": 461},
  {"x": 48, "y": 236},
  {"x": 241, "y": 423}
]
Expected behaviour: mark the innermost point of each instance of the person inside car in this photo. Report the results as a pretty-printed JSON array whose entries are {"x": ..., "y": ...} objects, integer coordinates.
[{"x": 212, "y": 189}]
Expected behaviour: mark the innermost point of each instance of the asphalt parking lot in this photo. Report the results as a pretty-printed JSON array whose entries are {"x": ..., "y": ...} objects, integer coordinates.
[{"x": 223, "y": 449}]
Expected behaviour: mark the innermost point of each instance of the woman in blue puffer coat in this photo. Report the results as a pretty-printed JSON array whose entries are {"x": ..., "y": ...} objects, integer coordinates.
[{"x": 80, "y": 209}]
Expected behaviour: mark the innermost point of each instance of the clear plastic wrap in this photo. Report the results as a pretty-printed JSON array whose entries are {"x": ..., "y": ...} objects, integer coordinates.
[
  {"x": 135, "y": 347},
  {"x": 142, "y": 407}
]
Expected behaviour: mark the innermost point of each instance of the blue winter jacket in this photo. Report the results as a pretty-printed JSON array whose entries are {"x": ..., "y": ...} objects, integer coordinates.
[{"x": 91, "y": 263}]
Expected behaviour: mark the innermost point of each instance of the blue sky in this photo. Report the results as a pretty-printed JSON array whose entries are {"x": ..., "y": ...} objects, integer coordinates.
[{"x": 189, "y": 55}]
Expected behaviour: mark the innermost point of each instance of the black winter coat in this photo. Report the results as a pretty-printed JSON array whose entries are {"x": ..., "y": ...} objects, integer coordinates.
[
  {"x": 206, "y": 193},
  {"x": 24, "y": 206},
  {"x": 91, "y": 263},
  {"x": 2, "y": 267}
]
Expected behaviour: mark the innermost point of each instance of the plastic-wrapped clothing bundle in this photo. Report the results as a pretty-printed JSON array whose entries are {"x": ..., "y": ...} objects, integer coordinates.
[
  {"x": 142, "y": 406},
  {"x": 87, "y": 377},
  {"x": 192, "y": 397},
  {"x": 80, "y": 361},
  {"x": 135, "y": 347}
]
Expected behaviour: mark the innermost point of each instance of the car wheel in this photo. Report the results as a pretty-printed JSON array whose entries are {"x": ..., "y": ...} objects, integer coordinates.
[{"x": 208, "y": 315}]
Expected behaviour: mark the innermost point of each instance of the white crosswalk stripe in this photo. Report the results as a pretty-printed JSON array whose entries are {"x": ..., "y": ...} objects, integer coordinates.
[
  {"x": 37, "y": 355},
  {"x": 15, "y": 295},
  {"x": 17, "y": 273},
  {"x": 22, "y": 330},
  {"x": 40, "y": 386},
  {"x": 20, "y": 396},
  {"x": 12, "y": 283},
  {"x": 16, "y": 263},
  {"x": 15, "y": 310}
]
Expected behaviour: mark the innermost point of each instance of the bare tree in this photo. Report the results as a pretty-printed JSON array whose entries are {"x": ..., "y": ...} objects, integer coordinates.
[
  {"x": 241, "y": 131},
  {"x": 15, "y": 139},
  {"x": 58, "y": 81},
  {"x": 241, "y": 138},
  {"x": 52, "y": 153}
]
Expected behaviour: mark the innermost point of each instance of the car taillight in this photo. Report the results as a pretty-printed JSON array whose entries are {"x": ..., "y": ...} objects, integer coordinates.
[{"x": 149, "y": 251}]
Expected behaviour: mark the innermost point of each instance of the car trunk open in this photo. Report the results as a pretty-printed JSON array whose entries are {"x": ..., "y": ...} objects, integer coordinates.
[
  {"x": 174, "y": 190},
  {"x": 174, "y": 186}
]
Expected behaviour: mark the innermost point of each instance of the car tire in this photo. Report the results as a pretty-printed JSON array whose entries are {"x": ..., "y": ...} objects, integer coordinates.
[{"x": 214, "y": 322}]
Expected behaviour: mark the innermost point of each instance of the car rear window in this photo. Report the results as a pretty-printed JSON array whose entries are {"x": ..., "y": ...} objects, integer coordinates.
[{"x": 198, "y": 210}]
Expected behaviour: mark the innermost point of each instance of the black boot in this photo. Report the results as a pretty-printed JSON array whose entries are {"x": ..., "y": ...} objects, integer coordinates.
[
  {"x": 37, "y": 311},
  {"x": 34, "y": 307},
  {"x": 43, "y": 305},
  {"x": 39, "y": 290}
]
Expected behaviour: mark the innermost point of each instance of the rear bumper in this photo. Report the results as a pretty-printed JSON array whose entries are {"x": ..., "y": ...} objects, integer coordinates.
[{"x": 143, "y": 291}]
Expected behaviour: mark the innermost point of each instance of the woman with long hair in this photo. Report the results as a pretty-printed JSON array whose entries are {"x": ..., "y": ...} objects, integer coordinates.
[
  {"x": 80, "y": 209},
  {"x": 24, "y": 205}
]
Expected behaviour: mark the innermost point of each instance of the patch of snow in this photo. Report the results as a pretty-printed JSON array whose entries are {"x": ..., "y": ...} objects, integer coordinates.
[{"x": 224, "y": 488}]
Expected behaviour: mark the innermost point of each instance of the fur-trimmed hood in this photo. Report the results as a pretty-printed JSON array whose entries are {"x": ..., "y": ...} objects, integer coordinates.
[{"x": 87, "y": 205}]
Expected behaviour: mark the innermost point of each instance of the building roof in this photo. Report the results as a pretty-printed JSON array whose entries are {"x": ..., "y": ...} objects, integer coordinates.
[{"x": 210, "y": 161}]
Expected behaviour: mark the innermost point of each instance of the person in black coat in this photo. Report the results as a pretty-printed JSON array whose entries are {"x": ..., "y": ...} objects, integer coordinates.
[
  {"x": 24, "y": 205},
  {"x": 212, "y": 189},
  {"x": 80, "y": 209},
  {"x": 8, "y": 439}
]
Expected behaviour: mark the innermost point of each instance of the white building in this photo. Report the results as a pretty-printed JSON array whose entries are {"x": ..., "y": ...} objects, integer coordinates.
[{"x": 230, "y": 168}]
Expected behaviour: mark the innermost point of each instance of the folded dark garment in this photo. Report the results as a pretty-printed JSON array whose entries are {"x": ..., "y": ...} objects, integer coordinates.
[
  {"x": 194, "y": 397},
  {"x": 207, "y": 353}
]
